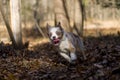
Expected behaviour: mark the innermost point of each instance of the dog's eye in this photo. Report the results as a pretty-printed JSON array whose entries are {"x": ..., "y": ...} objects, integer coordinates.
[{"x": 58, "y": 33}]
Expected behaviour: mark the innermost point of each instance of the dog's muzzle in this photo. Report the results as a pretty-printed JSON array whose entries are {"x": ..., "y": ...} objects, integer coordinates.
[{"x": 56, "y": 41}]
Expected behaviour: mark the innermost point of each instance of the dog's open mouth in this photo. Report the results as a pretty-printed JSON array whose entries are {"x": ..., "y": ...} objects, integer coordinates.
[{"x": 56, "y": 41}]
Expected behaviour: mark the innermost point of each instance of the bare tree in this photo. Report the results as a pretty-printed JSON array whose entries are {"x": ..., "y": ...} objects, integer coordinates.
[
  {"x": 43, "y": 12},
  {"x": 50, "y": 11},
  {"x": 69, "y": 12},
  {"x": 79, "y": 17},
  {"x": 16, "y": 22},
  {"x": 46, "y": 12},
  {"x": 75, "y": 15},
  {"x": 60, "y": 14},
  {"x": 7, "y": 24},
  {"x": 35, "y": 7}
]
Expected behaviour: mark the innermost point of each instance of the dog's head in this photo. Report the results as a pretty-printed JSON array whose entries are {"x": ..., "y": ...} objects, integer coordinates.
[{"x": 55, "y": 33}]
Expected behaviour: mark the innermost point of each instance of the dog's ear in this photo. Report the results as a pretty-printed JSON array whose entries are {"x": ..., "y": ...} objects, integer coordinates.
[
  {"x": 59, "y": 25},
  {"x": 48, "y": 27}
]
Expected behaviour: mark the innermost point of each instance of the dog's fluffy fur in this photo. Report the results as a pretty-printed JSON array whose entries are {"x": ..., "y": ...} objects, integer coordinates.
[{"x": 68, "y": 43}]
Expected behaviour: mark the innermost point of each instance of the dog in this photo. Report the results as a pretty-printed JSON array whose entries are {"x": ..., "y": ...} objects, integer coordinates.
[{"x": 68, "y": 43}]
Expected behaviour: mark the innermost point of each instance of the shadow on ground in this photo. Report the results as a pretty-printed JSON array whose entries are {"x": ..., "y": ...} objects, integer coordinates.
[{"x": 42, "y": 62}]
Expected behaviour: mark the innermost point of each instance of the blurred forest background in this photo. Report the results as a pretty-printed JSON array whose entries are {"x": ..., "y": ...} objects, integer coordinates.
[
  {"x": 97, "y": 15},
  {"x": 98, "y": 21}
]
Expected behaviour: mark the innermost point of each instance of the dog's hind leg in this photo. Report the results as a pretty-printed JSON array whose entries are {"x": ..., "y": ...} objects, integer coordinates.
[{"x": 82, "y": 48}]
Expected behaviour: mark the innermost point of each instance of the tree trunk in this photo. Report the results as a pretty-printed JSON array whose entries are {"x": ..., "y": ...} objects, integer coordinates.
[
  {"x": 7, "y": 24},
  {"x": 16, "y": 22},
  {"x": 70, "y": 12},
  {"x": 79, "y": 17},
  {"x": 46, "y": 12},
  {"x": 43, "y": 12},
  {"x": 51, "y": 15},
  {"x": 60, "y": 15},
  {"x": 36, "y": 19}
]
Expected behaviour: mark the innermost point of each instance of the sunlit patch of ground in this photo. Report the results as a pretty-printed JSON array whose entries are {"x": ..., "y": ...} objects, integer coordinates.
[
  {"x": 32, "y": 34},
  {"x": 100, "y": 32}
]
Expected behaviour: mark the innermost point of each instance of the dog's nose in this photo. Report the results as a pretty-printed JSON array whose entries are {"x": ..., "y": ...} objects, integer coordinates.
[{"x": 54, "y": 37}]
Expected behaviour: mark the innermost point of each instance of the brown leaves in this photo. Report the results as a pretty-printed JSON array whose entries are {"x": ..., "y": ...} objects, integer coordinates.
[{"x": 42, "y": 61}]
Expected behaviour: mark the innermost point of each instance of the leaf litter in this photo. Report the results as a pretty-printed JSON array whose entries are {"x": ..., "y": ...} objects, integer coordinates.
[{"x": 42, "y": 62}]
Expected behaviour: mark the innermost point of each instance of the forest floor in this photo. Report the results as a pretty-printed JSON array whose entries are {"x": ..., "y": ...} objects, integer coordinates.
[{"x": 40, "y": 61}]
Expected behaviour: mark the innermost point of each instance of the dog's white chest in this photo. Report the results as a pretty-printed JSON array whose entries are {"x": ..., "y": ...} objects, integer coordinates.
[{"x": 64, "y": 44}]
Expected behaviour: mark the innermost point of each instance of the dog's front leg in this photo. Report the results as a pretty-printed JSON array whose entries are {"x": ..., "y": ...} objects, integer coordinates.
[
  {"x": 67, "y": 57},
  {"x": 73, "y": 56},
  {"x": 72, "y": 50}
]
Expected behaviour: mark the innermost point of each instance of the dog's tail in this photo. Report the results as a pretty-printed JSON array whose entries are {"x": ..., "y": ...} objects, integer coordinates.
[{"x": 82, "y": 47}]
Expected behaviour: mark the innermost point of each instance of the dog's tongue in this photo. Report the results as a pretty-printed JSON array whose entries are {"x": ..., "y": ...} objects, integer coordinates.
[{"x": 56, "y": 41}]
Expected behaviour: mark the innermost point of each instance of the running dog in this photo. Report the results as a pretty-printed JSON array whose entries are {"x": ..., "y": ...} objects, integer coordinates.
[{"x": 68, "y": 43}]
